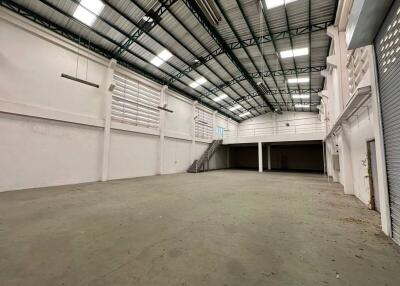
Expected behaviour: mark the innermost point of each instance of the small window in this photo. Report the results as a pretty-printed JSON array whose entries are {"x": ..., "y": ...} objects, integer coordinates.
[{"x": 220, "y": 131}]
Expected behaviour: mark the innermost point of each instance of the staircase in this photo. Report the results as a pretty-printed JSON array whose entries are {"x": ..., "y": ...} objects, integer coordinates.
[{"x": 202, "y": 164}]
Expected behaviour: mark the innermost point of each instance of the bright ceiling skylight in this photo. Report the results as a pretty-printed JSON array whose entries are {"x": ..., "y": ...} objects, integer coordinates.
[
  {"x": 157, "y": 61},
  {"x": 221, "y": 97},
  {"x": 198, "y": 82},
  {"x": 302, "y": 105},
  {"x": 276, "y": 3},
  {"x": 165, "y": 55},
  {"x": 236, "y": 107},
  {"x": 87, "y": 10},
  {"x": 162, "y": 57},
  {"x": 294, "y": 53},
  {"x": 244, "y": 114},
  {"x": 300, "y": 96},
  {"x": 299, "y": 80}
]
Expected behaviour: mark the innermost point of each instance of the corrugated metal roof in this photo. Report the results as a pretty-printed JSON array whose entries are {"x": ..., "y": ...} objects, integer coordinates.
[{"x": 184, "y": 36}]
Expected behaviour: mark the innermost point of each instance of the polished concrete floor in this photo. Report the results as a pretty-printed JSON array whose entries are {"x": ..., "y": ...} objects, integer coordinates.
[{"x": 217, "y": 228}]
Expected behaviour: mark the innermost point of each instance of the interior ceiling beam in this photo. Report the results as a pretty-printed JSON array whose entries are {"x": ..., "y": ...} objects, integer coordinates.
[
  {"x": 260, "y": 50},
  {"x": 36, "y": 18},
  {"x": 218, "y": 105},
  {"x": 217, "y": 61},
  {"x": 202, "y": 19},
  {"x": 303, "y": 70},
  {"x": 265, "y": 86},
  {"x": 270, "y": 38},
  {"x": 145, "y": 26}
]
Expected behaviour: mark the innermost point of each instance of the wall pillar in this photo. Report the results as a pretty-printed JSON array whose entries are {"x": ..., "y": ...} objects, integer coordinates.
[
  {"x": 260, "y": 158},
  {"x": 379, "y": 147},
  {"x": 346, "y": 168},
  {"x": 214, "y": 126},
  {"x": 108, "y": 88},
  {"x": 193, "y": 135},
  {"x": 163, "y": 101}
]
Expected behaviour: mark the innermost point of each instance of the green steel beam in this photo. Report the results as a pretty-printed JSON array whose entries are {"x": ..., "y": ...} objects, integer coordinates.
[
  {"x": 38, "y": 19},
  {"x": 269, "y": 38},
  {"x": 202, "y": 19},
  {"x": 303, "y": 70},
  {"x": 145, "y": 26}
]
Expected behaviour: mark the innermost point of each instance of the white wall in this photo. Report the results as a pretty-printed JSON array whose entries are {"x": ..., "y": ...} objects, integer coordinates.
[
  {"x": 53, "y": 128},
  {"x": 350, "y": 125},
  {"x": 272, "y": 127}
]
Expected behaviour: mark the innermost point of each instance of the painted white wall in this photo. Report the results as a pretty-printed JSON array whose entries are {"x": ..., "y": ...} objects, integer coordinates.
[
  {"x": 53, "y": 128},
  {"x": 272, "y": 127},
  {"x": 351, "y": 137}
]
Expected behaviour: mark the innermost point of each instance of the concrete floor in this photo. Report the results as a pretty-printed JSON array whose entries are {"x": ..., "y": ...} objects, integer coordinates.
[{"x": 217, "y": 228}]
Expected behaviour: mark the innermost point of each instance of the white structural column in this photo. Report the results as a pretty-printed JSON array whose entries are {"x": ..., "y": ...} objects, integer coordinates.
[
  {"x": 380, "y": 148},
  {"x": 193, "y": 147},
  {"x": 163, "y": 101},
  {"x": 269, "y": 157},
  {"x": 214, "y": 126},
  {"x": 108, "y": 89},
  {"x": 260, "y": 158},
  {"x": 346, "y": 169}
]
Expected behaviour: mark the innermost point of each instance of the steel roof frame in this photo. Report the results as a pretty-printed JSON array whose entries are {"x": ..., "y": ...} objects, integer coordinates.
[
  {"x": 11, "y": 5},
  {"x": 269, "y": 38},
  {"x": 202, "y": 19},
  {"x": 169, "y": 77}
]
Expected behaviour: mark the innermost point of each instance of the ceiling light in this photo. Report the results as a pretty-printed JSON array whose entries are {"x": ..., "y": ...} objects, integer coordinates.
[
  {"x": 161, "y": 58},
  {"x": 276, "y": 3},
  {"x": 244, "y": 114},
  {"x": 87, "y": 10},
  {"x": 201, "y": 80},
  {"x": 96, "y": 6},
  {"x": 148, "y": 19},
  {"x": 165, "y": 55},
  {"x": 300, "y": 105},
  {"x": 299, "y": 80},
  {"x": 194, "y": 84},
  {"x": 198, "y": 82},
  {"x": 300, "y": 96},
  {"x": 221, "y": 97},
  {"x": 157, "y": 61},
  {"x": 294, "y": 53},
  {"x": 237, "y": 106}
]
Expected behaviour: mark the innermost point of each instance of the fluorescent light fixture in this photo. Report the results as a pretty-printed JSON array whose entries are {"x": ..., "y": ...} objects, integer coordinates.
[
  {"x": 244, "y": 114},
  {"x": 236, "y": 107},
  {"x": 221, "y": 97},
  {"x": 162, "y": 57},
  {"x": 165, "y": 55},
  {"x": 276, "y": 3},
  {"x": 87, "y": 10},
  {"x": 198, "y": 82},
  {"x": 294, "y": 53},
  {"x": 299, "y": 80},
  {"x": 201, "y": 80},
  {"x": 96, "y": 6},
  {"x": 157, "y": 61},
  {"x": 300, "y": 96},
  {"x": 302, "y": 105},
  {"x": 147, "y": 19}
]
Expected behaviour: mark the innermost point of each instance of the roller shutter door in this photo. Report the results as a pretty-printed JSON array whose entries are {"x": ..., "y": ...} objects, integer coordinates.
[{"x": 387, "y": 46}]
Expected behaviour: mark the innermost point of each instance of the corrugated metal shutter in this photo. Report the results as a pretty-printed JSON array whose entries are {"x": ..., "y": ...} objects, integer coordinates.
[{"x": 387, "y": 46}]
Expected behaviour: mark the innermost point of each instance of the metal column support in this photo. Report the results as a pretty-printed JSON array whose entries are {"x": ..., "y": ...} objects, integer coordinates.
[
  {"x": 107, "y": 118},
  {"x": 260, "y": 158}
]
